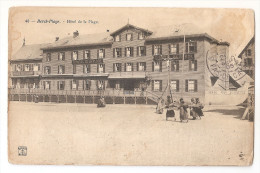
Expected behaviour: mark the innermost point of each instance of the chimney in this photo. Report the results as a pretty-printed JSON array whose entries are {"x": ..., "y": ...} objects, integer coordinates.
[
  {"x": 57, "y": 38},
  {"x": 75, "y": 34}
]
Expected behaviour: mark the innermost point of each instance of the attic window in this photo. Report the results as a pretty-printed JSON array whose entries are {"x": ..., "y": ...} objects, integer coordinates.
[
  {"x": 129, "y": 37},
  {"x": 117, "y": 38},
  {"x": 141, "y": 36}
]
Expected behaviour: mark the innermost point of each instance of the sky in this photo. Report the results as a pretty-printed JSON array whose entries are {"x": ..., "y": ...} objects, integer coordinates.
[{"x": 235, "y": 26}]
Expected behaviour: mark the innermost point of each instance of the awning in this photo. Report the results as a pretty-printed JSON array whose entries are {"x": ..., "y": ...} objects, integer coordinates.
[
  {"x": 127, "y": 75},
  {"x": 29, "y": 76}
]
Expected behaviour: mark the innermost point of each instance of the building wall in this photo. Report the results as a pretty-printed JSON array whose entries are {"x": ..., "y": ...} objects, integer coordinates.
[{"x": 249, "y": 68}]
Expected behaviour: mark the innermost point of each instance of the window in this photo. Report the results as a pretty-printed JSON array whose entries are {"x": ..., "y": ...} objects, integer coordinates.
[
  {"x": 141, "y": 51},
  {"x": 175, "y": 85},
  {"x": 129, "y": 51},
  {"x": 118, "y": 38},
  {"x": 174, "y": 65},
  {"x": 47, "y": 70},
  {"x": 173, "y": 48},
  {"x": 74, "y": 84},
  {"x": 129, "y": 67},
  {"x": 157, "y": 66},
  {"x": 101, "y": 53},
  {"x": 75, "y": 55},
  {"x": 141, "y": 36},
  {"x": 191, "y": 86},
  {"x": 87, "y": 54},
  {"x": 47, "y": 85},
  {"x": 61, "y": 85},
  {"x": 36, "y": 67},
  {"x": 248, "y": 52},
  {"x": 141, "y": 66},
  {"x": 157, "y": 49},
  {"x": 117, "y": 85},
  {"x": 117, "y": 67},
  {"x": 129, "y": 37},
  {"x": 18, "y": 67},
  {"x": 86, "y": 68},
  {"x": 61, "y": 56},
  {"x": 117, "y": 52},
  {"x": 101, "y": 68},
  {"x": 27, "y": 67},
  {"x": 61, "y": 69},
  {"x": 100, "y": 84},
  {"x": 191, "y": 47},
  {"x": 87, "y": 84},
  {"x": 48, "y": 57},
  {"x": 157, "y": 85},
  {"x": 192, "y": 65}
]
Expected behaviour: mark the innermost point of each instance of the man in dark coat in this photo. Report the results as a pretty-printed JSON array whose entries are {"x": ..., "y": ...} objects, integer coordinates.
[{"x": 183, "y": 111}]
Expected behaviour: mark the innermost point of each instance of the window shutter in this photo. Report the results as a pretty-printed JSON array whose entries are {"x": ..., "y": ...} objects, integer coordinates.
[
  {"x": 114, "y": 52},
  {"x": 58, "y": 84},
  {"x": 83, "y": 84},
  {"x": 137, "y": 66},
  {"x": 84, "y": 68},
  {"x": 172, "y": 65},
  {"x": 77, "y": 82},
  {"x": 196, "y": 86},
  {"x": 160, "y": 66},
  {"x": 189, "y": 65},
  {"x": 97, "y": 68},
  {"x": 160, "y": 49},
  {"x": 152, "y": 66},
  {"x": 186, "y": 85},
  {"x": 58, "y": 69},
  {"x": 125, "y": 66},
  {"x": 186, "y": 47},
  {"x": 169, "y": 45},
  {"x": 71, "y": 84},
  {"x": 195, "y": 65},
  {"x": 145, "y": 66},
  {"x": 131, "y": 37},
  {"x": 137, "y": 51},
  {"x": 39, "y": 68},
  {"x": 89, "y": 67},
  {"x": 132, "y": 51},
  {"x": 160, "y": 85},
  {"x": 113, "y": 67},
  {"x": 177, "y": 65},
  {"x": 177, "y": 47},
  {"x": 195, "y": 46},
  {"x": 97, "y": 53},
  {"x": 153, "y": 50},
  {"x": 120, "y": 52},
  {"x": 120, "y": 67},
  {"x": 89, "y": 84},
  {"x": 97, "y": 84},
  {"x": 104, "y": 70},
  {"x": 144, "y": 50},
  {"x": 152, "y": 85},
  {"x": 104, "y": 53},
  {"x": 44, "y": 86},
  {"x": 49, "y": 85},
  {"x": 89, "y": 54},
  {"x": 63, "y": 69},
  {"x": 125, "y": 51},
  {"x": 177, "y": 86},
  {"x": 132, "y": 66}
]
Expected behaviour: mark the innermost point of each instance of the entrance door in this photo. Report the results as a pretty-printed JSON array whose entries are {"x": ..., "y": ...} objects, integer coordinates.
[{"x": 129, "y": 85}]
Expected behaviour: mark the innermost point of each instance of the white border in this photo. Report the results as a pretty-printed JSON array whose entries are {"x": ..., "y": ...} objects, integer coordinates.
[{"x": 7, "y": 167}]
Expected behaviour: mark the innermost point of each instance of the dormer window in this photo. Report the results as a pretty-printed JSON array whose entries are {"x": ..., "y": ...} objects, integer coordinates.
[
  {"x": 141, "y": 36},
  {"x": 129, "y": 37},
  {"x": 118, "y": 38}
]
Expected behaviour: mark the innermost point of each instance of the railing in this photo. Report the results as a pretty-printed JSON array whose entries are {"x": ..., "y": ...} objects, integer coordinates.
[{"x": 23, "y": 73}]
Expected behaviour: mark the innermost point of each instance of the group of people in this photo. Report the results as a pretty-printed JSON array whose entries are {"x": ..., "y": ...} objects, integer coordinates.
[
  {"x": 195, "y": 108},
  {"x": 101, "y": 102}
]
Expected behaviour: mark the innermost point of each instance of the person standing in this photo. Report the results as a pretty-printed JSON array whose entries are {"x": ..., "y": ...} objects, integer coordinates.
[
  {"x": 183, "y": 111},
  {"x": 193, "y": 108}
]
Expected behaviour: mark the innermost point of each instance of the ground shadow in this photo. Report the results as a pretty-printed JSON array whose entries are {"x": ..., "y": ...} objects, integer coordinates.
[{"x": 237, "y": 113}]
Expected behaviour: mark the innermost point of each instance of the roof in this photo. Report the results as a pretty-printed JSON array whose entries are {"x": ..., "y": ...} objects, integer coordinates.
[
  {"x": 251, "y": 40},
  {"x": 28, "y": 52},
  {"x": 130, "y": 26},
  {"x": 81, "y": 40},
  {"x": 173, "y": 31}
]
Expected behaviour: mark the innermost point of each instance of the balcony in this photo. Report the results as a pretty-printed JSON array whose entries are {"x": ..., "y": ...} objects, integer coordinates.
[
  {"x": 24, "y": 73},
  {"x": 187, "y": 56}
]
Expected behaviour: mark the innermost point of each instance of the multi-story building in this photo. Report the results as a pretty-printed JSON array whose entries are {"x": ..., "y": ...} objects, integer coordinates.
[
  {"x": 129, "y": 65},
  {"x": 247, "y": 56}
]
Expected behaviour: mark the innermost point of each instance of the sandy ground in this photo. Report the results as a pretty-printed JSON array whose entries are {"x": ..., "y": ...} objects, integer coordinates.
[{"x": 126, "y": 135}]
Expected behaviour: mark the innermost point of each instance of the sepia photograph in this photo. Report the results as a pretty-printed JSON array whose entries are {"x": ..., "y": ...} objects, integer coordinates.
[{"x": 131, "y": 86}]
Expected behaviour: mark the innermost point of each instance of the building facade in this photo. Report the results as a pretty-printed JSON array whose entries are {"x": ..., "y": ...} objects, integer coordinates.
[{"x": 129, "y": 65}]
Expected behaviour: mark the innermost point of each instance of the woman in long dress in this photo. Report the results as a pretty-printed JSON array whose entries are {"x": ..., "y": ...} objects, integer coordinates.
[
  {"x": 193, "y": 109},
  {"x": 183, "y": 111}
]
